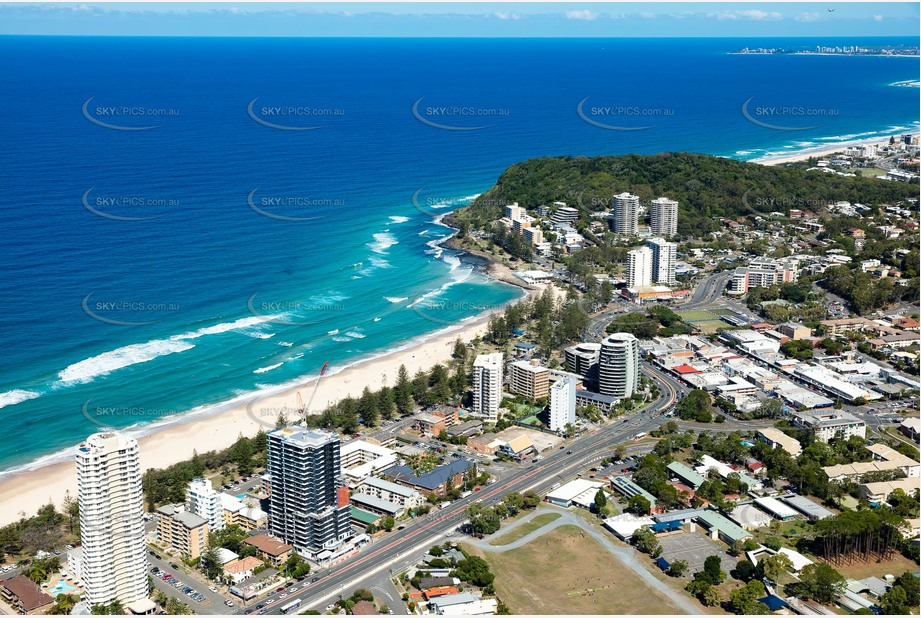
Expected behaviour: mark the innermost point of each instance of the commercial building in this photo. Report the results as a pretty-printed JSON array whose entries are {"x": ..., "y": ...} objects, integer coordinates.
[
  {"x": 407, "y": 497},
  {"x": 113, "y": 565},
  {"x": 778, "y": 439},
  {"x": 309, "y": 503},
  {"x": 437, "y": 482},
  {"x": 627, "y": 487},
  {"x": 794, "y": 331},
  {"x": 832, "y": 383},
  {"x": 604, "y": 403},
  {"x": 375, "y": 505},
  {"x": 582, "y": 359},
  {"x": 639, "y": 267},
  {"x": 663, "y": 216},
  {"x": 828, "y": 424},
  {"x": 562, "y": 404},
  {"x": 911, "y": 427},
  {"x": 202, "y": 500},
  {"x": 182, "y": 530},
  {"x": 580, "y": 492},
  {"x": 619, "y": 366},
  {"x": 529, "y": 379},
  {"x": 624, "y": 214},
  {"x": 360, "y": 459},
  {"x": 663, "y": 260},
  {"x": 463, "y": 604},
  {"x": 467, "y": 428},
  {"x": 685, "y": 474},
  {"x": 487, "y": 385}
]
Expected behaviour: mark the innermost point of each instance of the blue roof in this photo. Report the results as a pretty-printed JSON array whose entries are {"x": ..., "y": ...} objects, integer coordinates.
[
  {"x": 521, "y": 344},
  {"x": 431, "y": 480},
  {"x": 662, "y": 563},
  {"x": 666, "y": 526}
]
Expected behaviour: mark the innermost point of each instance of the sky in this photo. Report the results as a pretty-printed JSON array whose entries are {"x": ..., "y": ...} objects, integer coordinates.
[{"x": 449, "y": 19}]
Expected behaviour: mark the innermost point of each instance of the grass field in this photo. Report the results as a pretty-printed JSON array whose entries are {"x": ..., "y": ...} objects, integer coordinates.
[
  {"x": 525, "y": 529},
  {"x": 568, "y": 572},
  {"x": 697, "y": 316}
]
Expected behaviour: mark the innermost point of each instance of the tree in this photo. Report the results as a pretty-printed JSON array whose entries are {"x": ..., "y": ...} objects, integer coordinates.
[
  {"x": 645, "y": 541},
  {"x": 210, "y": 564},
  {"x": 368, "y": 407},
  {"x": 743, "y": 601},
  {"x": 774, "y": 566},
  {"x": 403, "y": 392},
  {"x": 386, "y": 523},
  {"x": 712, "y": 571},
  {"x": 600, "y": 500},
  {"x": 821, "y": 582},
  {"x": 620, "y": 451},
  {"x": 695, "y": 406},
  {"x": 530, "y": 499},
  {"x": 895, "y": 602},
  {"x": 678, "y": 568},
  {"x": 638, "y": 505},
  {"x": 474, "y": 570}
]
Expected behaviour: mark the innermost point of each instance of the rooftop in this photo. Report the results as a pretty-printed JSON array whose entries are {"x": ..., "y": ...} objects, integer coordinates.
[
  {"x": 268, "y": 544},
  {"x": 28, "y": 593},
  {"x": 305, "y": 437},
  {"x": 384, "y": 484},
  {"x": 431, "y": 480},
  {"x": 378, "y": 503}
]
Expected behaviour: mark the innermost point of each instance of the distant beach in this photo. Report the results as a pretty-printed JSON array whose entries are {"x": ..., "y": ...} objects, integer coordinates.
[{"x": 820, "y": 151}]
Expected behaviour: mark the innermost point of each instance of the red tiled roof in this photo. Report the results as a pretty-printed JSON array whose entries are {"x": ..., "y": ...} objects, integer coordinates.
[
  {"x": 686, "y": 369},
  {"x": 28, "y": 593}
]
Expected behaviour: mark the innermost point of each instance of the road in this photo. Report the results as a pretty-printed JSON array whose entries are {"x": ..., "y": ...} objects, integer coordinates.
[
  {"x": 708, "y": 290},
  {"x": 423, "y": 532}
]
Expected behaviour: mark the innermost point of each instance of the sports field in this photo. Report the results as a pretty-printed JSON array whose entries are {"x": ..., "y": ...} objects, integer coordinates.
[{"x": 525, "y": 529}]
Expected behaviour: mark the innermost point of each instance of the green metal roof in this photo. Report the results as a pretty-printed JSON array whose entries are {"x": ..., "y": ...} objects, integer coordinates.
[{"x": 364, "y": 516}]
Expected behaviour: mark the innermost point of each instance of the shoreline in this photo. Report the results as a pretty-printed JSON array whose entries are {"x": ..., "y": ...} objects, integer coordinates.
[
  {"x": 222, "y": 423},
  {"x": 823, "y": 150}
]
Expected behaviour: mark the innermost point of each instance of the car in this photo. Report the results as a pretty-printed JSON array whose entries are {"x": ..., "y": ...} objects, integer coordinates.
[
  {"x": 260, "y": 606},
  {"x": 562, "y": 447},
  {"x": 228, "y": 603},
  {"x": 315, "y": 579},
  {"x": 213, "y": 588},
  {"x": 174, "y": 565},
  {"x": 330, "y": 607},
  {"x": 569, "y": 452},
  {"x": 289, "y": 584},
  {"x": 280, "y": 589},
  {"x": 282, "y": 595}
]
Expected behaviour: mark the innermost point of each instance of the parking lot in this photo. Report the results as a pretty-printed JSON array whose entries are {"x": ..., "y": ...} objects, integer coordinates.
[{"x": 694, "y": 548}]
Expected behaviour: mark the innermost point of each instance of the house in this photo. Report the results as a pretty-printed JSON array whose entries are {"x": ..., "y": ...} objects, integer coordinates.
[
  {"x": 467, "y": 428},
  {"x": 438, "y": 591},
  {"x": 911, "y": 427},
  {"x": 437, "y": 482},
  {"x": 270, "y": 549},
  {"x": 518, "y": 447},
  {"x": 24, "y": 595},
  {"x": 364, "y": 608},
  {"x": 237, "y": 570}
]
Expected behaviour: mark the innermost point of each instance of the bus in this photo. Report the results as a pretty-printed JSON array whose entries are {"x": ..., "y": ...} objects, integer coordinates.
[
  {"x": 640, "y": 435},
  {"x": 287, "y": 608}
]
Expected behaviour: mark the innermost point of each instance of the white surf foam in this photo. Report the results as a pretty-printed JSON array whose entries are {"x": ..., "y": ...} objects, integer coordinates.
[
  {"x": 18, "y": 395},
  {"x": 268, "y": 368}
]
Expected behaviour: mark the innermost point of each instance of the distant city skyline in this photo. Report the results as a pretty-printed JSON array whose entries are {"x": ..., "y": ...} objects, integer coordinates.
[{"x": 431, "y": 19}]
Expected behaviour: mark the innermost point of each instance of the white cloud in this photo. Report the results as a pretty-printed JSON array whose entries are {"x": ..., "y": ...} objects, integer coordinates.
[
  {"x": 508, "y": 16},
  {"x": 809, "y": 17},
  {"x": 877, "y": 18},
  {"x": 583, "y": 15},
  {"x": 749, "y": 15}
]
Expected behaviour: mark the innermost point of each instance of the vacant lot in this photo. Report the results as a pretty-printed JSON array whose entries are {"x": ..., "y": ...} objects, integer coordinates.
[
  {"x": 567, "y": 572},
  {"x": 525, "y": 529}
]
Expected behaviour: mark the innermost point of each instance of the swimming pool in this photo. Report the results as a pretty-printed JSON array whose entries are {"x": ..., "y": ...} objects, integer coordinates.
[{"x": 61, "y": 587}]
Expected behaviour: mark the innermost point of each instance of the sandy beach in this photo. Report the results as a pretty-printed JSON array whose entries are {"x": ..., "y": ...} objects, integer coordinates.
[
  {"x": 822, "y": 151},
  {"x": 26, "y": 492}
]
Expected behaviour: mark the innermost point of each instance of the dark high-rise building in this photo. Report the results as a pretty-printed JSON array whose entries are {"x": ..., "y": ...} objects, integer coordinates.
[{"x": 309, "y": 502}]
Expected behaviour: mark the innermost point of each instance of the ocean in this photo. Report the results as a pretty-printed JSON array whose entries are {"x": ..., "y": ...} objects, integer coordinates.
[{"x": 188, "y": 221}]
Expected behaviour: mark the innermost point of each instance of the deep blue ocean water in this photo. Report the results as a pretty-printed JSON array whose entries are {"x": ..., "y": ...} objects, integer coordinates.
[{"x": 256, "y": 254}]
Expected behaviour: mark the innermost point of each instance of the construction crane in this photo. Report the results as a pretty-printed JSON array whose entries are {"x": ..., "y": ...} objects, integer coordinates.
[
  {"x": 316, "y": 386},
  {"x": 300, "y": 404}
]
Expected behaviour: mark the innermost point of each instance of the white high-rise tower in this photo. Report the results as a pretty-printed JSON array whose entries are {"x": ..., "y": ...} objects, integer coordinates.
[
  {"x": 639, "y": 267},
  {"x": 663, "y": 216},
  {"x": 619, "y": 366},
  {"x": 487, "y": 385},
  {"x": 624, "y": 214},
  {"x": 113, "y": 565},
  {"x": 664, "y": 254}
]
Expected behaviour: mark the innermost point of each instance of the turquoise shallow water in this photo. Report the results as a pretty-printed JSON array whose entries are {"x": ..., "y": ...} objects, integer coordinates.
[{"x": 149, "y": 273}]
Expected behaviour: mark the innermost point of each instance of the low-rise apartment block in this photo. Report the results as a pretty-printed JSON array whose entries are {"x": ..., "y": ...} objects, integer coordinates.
[{"x": 182, "y": 530}]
